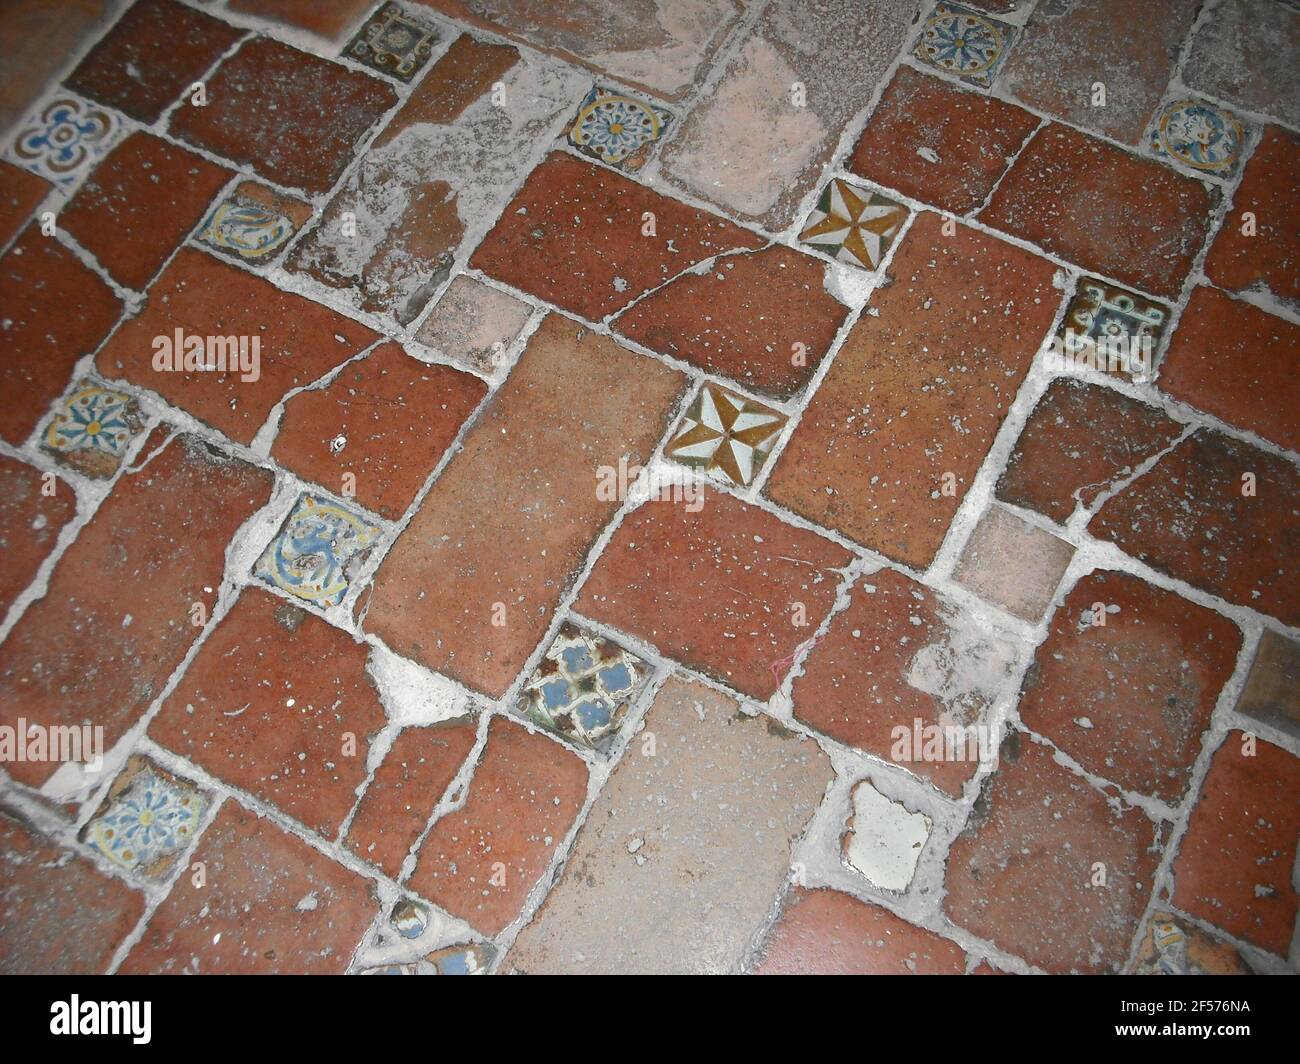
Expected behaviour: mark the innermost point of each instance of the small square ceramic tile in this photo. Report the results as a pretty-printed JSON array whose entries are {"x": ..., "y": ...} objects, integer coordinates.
[
  {"x": 853, "y": 225},
  {"x": 253, "y": 222},
  {"x": 965, "y": 43},
  {"x": 1272, "y": 692},
  {"x": 726, "y": 435},
  {"x": 1173, "y": 945},
  {"x": 147, "y": 820},
  {"x": 582, "y": 687},
  {"x": 884, "y": 839},
  {"x": 1013, "y": 564},
  {"x": 64, "y": 139},
  {"x": 1112, "y": 329},
  {"x": 1200, "y": 135},
  {"x": 473, "y": 324},
  {"x": 618, "y": 129},
  {"x": 393, "y": 42},
  {"x": 91, "y": 430},
  {"x": 311, "y": 554}
]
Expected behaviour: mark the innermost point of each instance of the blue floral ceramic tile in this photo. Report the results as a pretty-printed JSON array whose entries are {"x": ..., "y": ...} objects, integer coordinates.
[
  {"x": 393, "y": 42},
  {"x": 582, "y": 687},
  {"x": 310, "y": 556},
  {"x": 1199, "y": 135},
  {"x": 64, "y": 139},
  {"x": 91, "y": 430},
  {"x": 618, "y": 129},
  {"x": 964, "y": 43},
  {"x": 147, "y": 821}
]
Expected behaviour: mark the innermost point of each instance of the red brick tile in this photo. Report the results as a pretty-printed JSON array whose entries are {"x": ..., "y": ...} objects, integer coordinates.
[
  {"x": 939, "y": 144},
  {"x": 154, "y": 53},
  {"x": 512, "y": 516},
  {"x": 268, "y": 704},
  {"x": 744, "y": 319},
  {"x": 718, "y": 589},
  {"x": 115, "y": 621},
  {"x": 300, "y": 341},
  {"x": 1234, "y": 864},
  {"x": 139, "y": 204},
  {"x": 1271, "y": 694},
  {"x": 1080, "y": 441},
  {"x": 1244, "y": 53},
  {"x": 264, "y": 108},
  {"x": 56, "y": 311},
  {"x": 1066, "y": 49},
  {"x": 1020, "y": 874},
  {"x": 20, "y": 194},
  {"x": 407, "y": 785},
  {"x": 825, "y": 932},
  {"x": 1129, "y": 700},
  {"x": 1269, "y": 261},
  {"x": 1188, "y": 517},
  {"x": 918, "y": 389},
  {"x": 1236, "y": 362},
  {"x": 269, "y": 904},
  {"x": 331, "y": 21},
  {"x": 881, "y": 665},
  {"x": 480, "y": 861},
  {"x": 1108, "y": 211},
  {"x": 62, "y": 31},
  {"x": 30, "y": 523},
  {"x": 59, "y": 914},
  {"x": 1013, "y": 564},
  {"x": 573, "y": 236},
  {"x": 395, "y": 417}
]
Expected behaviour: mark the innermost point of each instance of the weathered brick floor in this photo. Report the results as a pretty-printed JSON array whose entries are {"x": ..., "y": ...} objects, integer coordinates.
[{"x": 401, "y": 661}]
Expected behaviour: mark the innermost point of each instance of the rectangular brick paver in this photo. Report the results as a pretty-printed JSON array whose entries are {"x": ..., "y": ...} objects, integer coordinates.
[{"x": 30, "y": 522}]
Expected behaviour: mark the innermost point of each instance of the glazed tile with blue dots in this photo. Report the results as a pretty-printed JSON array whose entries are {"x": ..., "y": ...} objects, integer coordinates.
[
  {"x": 965, "y": 43},
  {"x": 618, "y": 129},
  {"x": 310, "y": 556},
  {"x": 62, "y": 140}
]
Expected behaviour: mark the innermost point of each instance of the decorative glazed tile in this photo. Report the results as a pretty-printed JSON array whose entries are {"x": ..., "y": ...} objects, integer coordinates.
[
  {"x": 253, "y": 222},
  {"x": 60, "y": 143},
  {"x": 1173, "y": 945},
  {"x": 726, "y": 435},
  {"x": 1112, "y": 328},
  {"x": 853, "y": 225},
  {"x": 965, "y": 43},
  {"x": 1200, "y": 135},
  {"x": 471, "y": 958},
  {"x": 91, "y": 430},
  {"x": 393, "y": 43},
  {"x": 582, "y": 687},
  {"x": 409, "y": 918},
  {"x": 310, "y": 556},
  {"x": 147, "y": 820},
  {"x": 618, "y": 129}
]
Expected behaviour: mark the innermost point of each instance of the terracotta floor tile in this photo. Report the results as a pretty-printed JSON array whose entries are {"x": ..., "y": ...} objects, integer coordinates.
[
  {"x": 333, "y": 20},
  {"x": 263, "y": 110},
  {"x": 59, "y": 914},
  {"x": 409, "y": 782},
  {"x": 825, "y": 932},
  {"x": 21, "y": 193},
  {"x": 574, "y": 402},
  {"x": 30, "y": 523},
  {"x": 139, "y": 204},
  {"x": 616, "y": 37},
  {"x": 1020, "y": 874},
  {"x": 62, "y": 31},
  {"x": 1013, "y": 564},
  {"x": 268, "y": 705},
  {"x": 1272, "y": 692},
  {"x": 1079, "y": 442},
  {"x": 270, "y": 904},
  {"x": 1129, "y": 699},
  {"x": 56, "y": 311},
  {"x": 144, "y": 538},
  {"x": 746, "y": 144},
  {"x": 1103, "y": 209},
  {"x": 1269, "y": 260},
  {"x": 1243, "y": 54},
  {"x": 745, "y": 319},
  {"x": 939, "y": 144},
  {"x": 474, "y": 324},
  {"x": 298, "y": 342},
  {"x": 384, "y": 421},
  {"x": 573, "y": 236},
  {"x": 480, "y": 861},
  {"x": 902, "y": 655},
  {"x": 1234, "y": 865},
  {"x": 1236, "y": 362},
  {"x": 1066, "y": 49},
  {"x": 664, "y": 844},
  {"x": 172, "y": 42},
  {"x": 1189, "y": 518},
  {"x": 720, "y": 589},
  {"x": 918, "y": 390}
]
